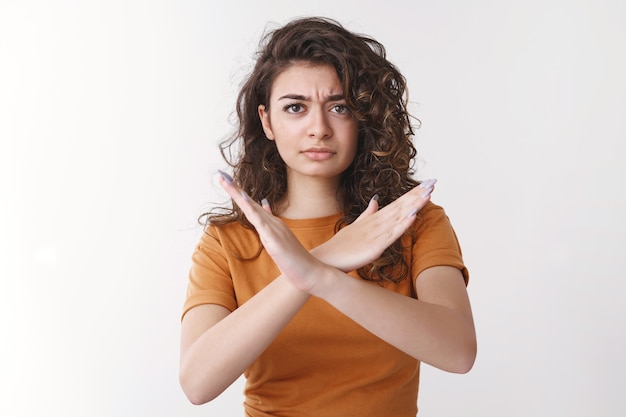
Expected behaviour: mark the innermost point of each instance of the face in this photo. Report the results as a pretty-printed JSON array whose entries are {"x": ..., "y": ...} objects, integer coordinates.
[{"x": 314, "y": 131}]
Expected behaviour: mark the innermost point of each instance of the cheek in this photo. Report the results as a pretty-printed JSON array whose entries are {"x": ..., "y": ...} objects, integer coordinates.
[
  {"x": 284, "y": 148},
  {"x": 285, "y": 129}
]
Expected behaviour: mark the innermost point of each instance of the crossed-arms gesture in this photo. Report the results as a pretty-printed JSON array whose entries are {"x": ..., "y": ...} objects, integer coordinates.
[{"x": 352, "y": 247}]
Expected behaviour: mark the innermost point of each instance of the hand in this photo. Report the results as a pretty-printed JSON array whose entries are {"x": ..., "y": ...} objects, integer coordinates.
[
  {"x": 295, "y": 262},
  {"x": 363, "y": 241}
]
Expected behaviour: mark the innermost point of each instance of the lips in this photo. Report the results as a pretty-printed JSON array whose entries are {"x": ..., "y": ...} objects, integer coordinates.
[
  {"x": 320, "y": 149},
  {"x": 319, "y": 154}
]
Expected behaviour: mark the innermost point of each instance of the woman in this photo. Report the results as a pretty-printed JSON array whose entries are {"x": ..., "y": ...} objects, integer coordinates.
[{"x": 325, "y": 302}]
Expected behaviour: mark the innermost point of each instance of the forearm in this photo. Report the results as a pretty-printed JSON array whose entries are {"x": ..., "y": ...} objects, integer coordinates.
[
  {"x": 223, "y": 351},
  {"x": 435, "y": 334}
]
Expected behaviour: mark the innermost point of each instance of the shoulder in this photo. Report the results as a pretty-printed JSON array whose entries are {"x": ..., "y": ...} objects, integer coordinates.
[
  {"x": 230, "y": 237},
  {"x": 433, "y": 229},
  {"x": 431, "y": 208},
  {"x": 431, "y": 214},
  {"x": 225, "y": 230},
  {"x": 434, "y": 241}
]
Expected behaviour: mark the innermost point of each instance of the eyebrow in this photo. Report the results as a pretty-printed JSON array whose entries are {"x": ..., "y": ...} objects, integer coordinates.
[{"x": 334, "y": 97}]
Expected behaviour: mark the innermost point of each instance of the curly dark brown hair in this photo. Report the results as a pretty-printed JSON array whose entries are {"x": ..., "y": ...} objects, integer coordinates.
[{"x": 375, "y": 93}]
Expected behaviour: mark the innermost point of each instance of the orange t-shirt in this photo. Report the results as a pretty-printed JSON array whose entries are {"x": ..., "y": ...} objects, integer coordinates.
[{"x": 322, "y": 363}]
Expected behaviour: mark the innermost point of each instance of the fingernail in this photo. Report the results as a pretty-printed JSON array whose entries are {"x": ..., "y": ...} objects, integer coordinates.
[
  {"x": 265, "y": 203},
  {"x": 427, "y": 192},
  {"x": 374, "y": 198},
  {"x": 226, "y": 177},
  {"x": 428, "y": 183},
  {"x": 412, "y": 213},
  {"x": 245, "y": 196}
]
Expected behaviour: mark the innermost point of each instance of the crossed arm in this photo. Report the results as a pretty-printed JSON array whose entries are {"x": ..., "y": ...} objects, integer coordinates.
[{"x": 218, "y": 345}]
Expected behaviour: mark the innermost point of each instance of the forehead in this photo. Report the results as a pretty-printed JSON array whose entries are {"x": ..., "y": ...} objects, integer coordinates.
[{"x": 307, "y": 80}]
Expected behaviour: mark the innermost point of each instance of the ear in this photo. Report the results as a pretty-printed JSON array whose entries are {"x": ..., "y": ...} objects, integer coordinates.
[{"x": 265, "y": 122}]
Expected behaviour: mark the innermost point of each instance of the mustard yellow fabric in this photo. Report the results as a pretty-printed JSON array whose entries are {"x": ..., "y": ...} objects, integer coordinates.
[{"x": 322, "y": 363}]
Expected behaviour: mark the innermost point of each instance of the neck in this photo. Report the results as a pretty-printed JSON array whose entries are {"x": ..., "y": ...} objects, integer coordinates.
[{"x": 311, "y": 198}]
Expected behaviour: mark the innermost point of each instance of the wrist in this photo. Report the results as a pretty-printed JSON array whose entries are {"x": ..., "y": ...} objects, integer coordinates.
[
  {"x": 325, "y": 254},
  {"x": 320, "y": 253},
  {"x": 326, "y": 282}
]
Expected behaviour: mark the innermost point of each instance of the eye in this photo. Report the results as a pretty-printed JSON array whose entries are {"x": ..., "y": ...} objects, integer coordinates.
[
  {"x": 293, "y": 108},
  {"x": 340, "y": 109}
]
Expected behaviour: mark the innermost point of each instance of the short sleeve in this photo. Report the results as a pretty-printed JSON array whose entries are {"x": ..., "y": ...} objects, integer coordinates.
[
  {"x": 435, "y": 242},
  {"x": 210, "y": 281}
]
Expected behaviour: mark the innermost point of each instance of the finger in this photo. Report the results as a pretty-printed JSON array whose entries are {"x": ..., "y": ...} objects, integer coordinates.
[
  {"x": 239, "y": 196},
  {"x": 266, "y": 205},
  {"x": 371, "y": 208},
  {"x": 426, "y": 187},
  {"x": 227, "y": 183},
  {"x": 416, "y": 195},
  {"x": 428, "y": 183}
]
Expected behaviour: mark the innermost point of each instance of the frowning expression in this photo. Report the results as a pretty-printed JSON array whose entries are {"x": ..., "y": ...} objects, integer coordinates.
[{"x": 307, "y": 116}]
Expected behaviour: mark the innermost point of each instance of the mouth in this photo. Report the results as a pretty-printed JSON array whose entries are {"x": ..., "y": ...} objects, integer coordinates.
[{"x": 319, "y": 154}]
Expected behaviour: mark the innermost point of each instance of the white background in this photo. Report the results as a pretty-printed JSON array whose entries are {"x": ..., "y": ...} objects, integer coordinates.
[{"x": 110, "y": 115}]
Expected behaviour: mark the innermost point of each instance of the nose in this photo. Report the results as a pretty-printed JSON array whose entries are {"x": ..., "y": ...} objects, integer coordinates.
[{"x": 319, "y": 126}]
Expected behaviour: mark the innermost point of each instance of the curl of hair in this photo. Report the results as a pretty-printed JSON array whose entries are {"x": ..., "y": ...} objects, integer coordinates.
[{"x": 377, "y": 96}]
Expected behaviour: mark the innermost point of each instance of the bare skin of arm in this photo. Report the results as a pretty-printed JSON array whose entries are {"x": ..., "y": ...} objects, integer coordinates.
[
  {"x": 217, "y": 346},
  {"x": 437, "y": 328}
]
